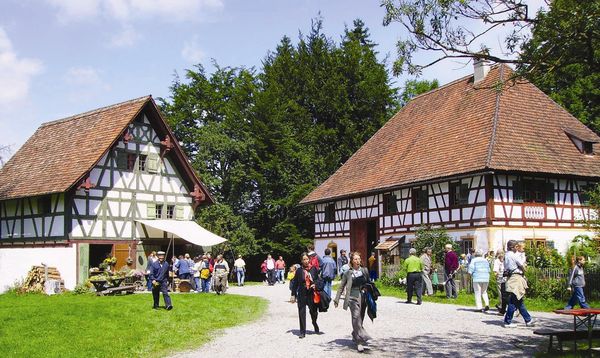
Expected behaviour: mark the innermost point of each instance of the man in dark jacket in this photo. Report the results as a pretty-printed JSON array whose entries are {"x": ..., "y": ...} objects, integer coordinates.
[
  {"x": 159, "y": 276},
  {"x": 450, "y": 267}
]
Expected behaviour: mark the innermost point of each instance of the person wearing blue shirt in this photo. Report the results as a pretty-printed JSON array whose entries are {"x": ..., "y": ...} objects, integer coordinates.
[
  {"x": 328, "y": 271},
  {"x": 159, "y": 276},
  {"x": 183, "y": 266},
  {"x": 479, "y": 268}
]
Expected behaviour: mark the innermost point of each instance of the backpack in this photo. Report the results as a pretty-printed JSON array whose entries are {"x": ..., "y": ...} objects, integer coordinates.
[{"x": 204, "y": 273}]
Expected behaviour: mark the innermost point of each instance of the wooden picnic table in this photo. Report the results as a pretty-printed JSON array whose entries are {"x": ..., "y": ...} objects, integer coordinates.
[{"x": 585, "y": 317}]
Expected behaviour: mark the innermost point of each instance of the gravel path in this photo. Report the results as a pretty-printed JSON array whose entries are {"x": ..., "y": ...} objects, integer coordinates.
[{"x": 399, "y": 330}]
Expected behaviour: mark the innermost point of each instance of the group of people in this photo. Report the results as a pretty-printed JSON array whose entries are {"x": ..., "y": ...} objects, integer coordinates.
[
  {"x": 203, "y": 272},
  {"x": 273, "y": 271},
  {"x": 509, "y": 268},
  {"x": 310, "y": 285}
]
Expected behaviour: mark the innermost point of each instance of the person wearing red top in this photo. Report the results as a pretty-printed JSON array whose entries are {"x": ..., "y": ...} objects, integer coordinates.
[
  {"x": 280, "y": 270},
  {"x": 450, "y": 267}
]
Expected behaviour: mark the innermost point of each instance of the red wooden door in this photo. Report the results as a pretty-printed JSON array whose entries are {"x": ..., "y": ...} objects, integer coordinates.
[{"x": 358, "y": 239}]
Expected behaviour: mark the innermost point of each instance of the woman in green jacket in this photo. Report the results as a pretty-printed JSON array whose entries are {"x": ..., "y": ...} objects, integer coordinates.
[{"x": 351, "y": 283}]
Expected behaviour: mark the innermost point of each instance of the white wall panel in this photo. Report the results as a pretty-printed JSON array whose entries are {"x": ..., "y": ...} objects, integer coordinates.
[
  {"x": 58, "y": 229},
  {"x": 80, "y": 205},
  {"x": 94, "y": 207},
  {"x": 16, "y": 263},
  {"x": 28, "y": 228}
]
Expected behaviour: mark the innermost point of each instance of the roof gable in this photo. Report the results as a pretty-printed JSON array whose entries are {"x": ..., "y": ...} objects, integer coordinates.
[
  {"x": 61, "y": 153},
  {"x": 463, "y": 128}
]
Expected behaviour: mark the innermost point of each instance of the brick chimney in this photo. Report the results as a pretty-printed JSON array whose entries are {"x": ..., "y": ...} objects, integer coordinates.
[{"x": 481, "y": 67}]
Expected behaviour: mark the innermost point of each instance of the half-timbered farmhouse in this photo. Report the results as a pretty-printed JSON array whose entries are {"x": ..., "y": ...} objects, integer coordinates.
[
  {"x": 110, "y": 181},
  {"x": 488, "y": 158}
]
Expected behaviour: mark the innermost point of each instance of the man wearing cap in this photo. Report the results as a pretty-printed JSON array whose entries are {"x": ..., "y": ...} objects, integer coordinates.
[
  {"x": 414, "y": 270},
  {"x": 159, "y": 276}
]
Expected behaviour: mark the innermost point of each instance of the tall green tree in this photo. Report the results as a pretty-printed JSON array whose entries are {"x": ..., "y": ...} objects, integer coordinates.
[
  {"x": 319, "y": 103},
  {"x": 262, "y": 141},
  {"x": 562, "y": 57},
  {"x": 212, "y": 116},
  {"x": 414, "y": 87}
]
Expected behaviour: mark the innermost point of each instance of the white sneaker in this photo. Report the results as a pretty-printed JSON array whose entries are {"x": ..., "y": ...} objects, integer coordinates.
[
  {"x": 531, "y": 323},
  {"x": 510, "y": 325},
  {"x": 361, "y": 348}
]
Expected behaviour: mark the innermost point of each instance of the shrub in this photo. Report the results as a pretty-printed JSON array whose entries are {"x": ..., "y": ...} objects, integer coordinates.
[
  {"x": 436, "y": 239},
  {"x": 583, "y": 245},
  {"x": 545, "y": 287},
  {"x": 544, "y": 257},
  {"x": 83, "y": 288},
  {"x": 394, "y": 279}
]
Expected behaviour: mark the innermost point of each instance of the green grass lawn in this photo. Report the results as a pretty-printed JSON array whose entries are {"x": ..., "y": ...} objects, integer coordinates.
[
  {"x": 468, "y": 299},
  {"x": 119, "y": 326}
]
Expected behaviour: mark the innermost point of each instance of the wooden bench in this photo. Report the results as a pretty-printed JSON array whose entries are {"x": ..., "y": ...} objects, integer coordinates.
[{"x": 565, "y": 335}]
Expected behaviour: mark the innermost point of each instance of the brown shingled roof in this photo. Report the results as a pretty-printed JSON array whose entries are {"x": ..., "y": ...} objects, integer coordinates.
[
  {"x": 60, "y": 153},
  {"x": 460, "y": 128}
]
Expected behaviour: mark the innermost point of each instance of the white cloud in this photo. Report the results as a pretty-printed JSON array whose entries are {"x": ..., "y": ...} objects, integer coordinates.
[
  {"x": 70, "y": 10},
  {"x": 125, "y": 38},
  {"x": 86, "y": 77},
  {"x": 192, "y": 52},
  {"x": 127, "y": 10},
  {"x": 15, "y": 73}
]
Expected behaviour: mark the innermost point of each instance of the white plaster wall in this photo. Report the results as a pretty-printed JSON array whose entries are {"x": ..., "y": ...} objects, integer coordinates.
[
  {"x": 321, "y": 244},
  {"x": 16, "y": 263},
  {"x": 561, "y": 237}
]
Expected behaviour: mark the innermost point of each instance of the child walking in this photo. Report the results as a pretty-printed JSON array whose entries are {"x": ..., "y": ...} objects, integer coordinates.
[
  {"x": 576, "y": 285},
  {"x": 290, "y": 276}
]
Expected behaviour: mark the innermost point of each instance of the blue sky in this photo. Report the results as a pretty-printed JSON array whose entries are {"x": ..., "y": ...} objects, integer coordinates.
[{"x": 63, "y": 57}]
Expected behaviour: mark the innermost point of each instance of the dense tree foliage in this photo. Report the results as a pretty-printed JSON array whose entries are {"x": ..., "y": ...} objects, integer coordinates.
[
  {"x": 562, "y": 57},
  {"x": 436, "y": 239},
  {"x": 262, "y": 141},
  {"x": 557, "y": 48}
]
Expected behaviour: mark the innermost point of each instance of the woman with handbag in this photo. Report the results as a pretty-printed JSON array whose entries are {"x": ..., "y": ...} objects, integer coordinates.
[
  {"x": 304, "y": 293},
  {"x": 352, "y": 282}
]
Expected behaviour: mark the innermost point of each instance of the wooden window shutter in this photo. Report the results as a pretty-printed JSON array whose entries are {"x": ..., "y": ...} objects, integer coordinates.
[
  {"x": 179, "y": 212},
  {"x": 121, "y": 159},
  {"x": 549, "y": 193},
  {"x": 152, "y": 163},
  {"x": 151, "y": 210},
  {"x": 517, "y": 191}
]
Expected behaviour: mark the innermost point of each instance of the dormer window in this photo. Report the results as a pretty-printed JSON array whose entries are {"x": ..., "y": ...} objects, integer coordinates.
[{"x": 582, "y": 140}]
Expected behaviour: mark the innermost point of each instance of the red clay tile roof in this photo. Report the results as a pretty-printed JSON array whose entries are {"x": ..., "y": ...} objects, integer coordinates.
[
  {"x": 60, "y": 153},
  {"x": 460, "y": 128}
]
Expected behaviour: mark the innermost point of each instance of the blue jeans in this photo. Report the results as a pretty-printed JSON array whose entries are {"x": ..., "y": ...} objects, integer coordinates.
[
  {"x": 280, "y": 277},
  {"x": 240, "y": 277},
  {"x": 513, "y": 305},
  {"x": 327, "y": 286},
  {"x": 197, "y": 282},
  {"x": 373, "y": 275},
  {"x": 577, "y": 297},
  {"x": 205, "y": 285}
]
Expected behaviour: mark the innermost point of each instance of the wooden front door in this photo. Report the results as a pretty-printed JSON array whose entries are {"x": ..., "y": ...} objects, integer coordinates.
[
  {"x": 121, "y": 253},
  {"x": 358, "y": 239}
]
